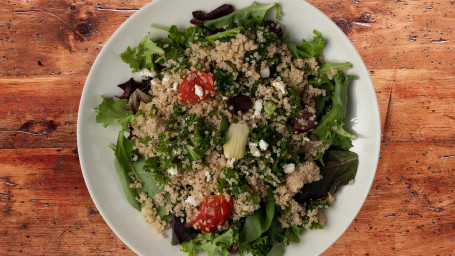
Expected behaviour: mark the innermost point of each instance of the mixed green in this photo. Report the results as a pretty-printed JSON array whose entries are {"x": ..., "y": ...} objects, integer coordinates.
[{"x": 218, "y": 110}]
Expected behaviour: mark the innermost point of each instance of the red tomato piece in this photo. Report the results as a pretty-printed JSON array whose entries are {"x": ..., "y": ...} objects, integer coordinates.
[
  {"x": 213, "y": 211},
  {"x": 197, "y": 86}
]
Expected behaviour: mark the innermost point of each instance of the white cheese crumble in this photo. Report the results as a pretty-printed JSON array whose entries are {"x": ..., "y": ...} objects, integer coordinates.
[
  {"x": 173, "y": 171},
  {"x": 224, "y": 98},
  {"x": 175, "y": 86},
  {"x": 194, "y": 201},
  {"x": 207, "y": 174},
  {"x": 263, "y": 145},
  {"x": 306, "y": 139},
  {"x": 230, "y": 162},
  {"x": 279, "y": 85},
  {"x": 165, "y": 79},
  {"x": 289, "y": 168},
  {"x": 146, "y": 73},
  {"x": 265, "y": 72},
  {"x": 198, "y": 91},
  {"x": 254, "y": 150},
  {"x": 252, "y": 144},
  {"x": 257, "y": 108}
]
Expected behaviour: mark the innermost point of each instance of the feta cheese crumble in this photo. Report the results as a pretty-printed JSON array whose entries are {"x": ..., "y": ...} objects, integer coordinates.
[
  {"x": 265, "y": 72},
  {"x": 279, "y": 85},
  {"x": 198, "y": 91},
  {"x": 289, "y": 168},
  {"x": 263, "y": 145},
  {"x": 257, "y": 108},
  {"x": 193, "y": 200},
  {"x": 254, "y": 150},
  {"x": 173, "y": 171}
]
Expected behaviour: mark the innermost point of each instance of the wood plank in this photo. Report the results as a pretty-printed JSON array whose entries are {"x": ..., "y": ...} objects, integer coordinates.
[
  {"x": 43, "y": 198},
  {"x": 39, "y": 112}
]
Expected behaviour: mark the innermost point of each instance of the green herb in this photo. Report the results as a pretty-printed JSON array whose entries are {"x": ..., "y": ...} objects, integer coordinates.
[
  {"x": 112, "y": 111},
  {"x": 254, "y": 13},
  {"x": 224, "y": 81},
  {"x": 269, "y": 107},
  {"x": 142, "y": 56},
  {"x": 238, "y": 187},
  {"x": 153, "y": 165}
]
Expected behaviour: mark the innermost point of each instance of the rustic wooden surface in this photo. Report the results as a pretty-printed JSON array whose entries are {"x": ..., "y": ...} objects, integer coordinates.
[{"x": 48, "y": 47}]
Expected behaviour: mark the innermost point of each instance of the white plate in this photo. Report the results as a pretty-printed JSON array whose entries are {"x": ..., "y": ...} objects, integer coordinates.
[{"x": 299, "y": 19}]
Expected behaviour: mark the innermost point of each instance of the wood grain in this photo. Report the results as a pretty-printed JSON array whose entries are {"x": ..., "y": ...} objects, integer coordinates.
[{"x": 47, "y": 49}]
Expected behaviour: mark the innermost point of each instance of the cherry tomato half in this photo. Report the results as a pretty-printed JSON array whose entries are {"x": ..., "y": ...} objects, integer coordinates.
[
  {"x": 213, "y": 211},
  {"x": 197, "y": 86}
]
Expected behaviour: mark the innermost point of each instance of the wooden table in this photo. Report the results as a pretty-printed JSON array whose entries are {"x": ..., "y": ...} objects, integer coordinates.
[{"x": 47, "y": 49}]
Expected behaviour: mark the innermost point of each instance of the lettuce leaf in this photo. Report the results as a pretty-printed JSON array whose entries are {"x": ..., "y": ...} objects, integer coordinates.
[
  {"x": 325, "y": 67},
  {"x": 141, "y": 57},
  {"x": 112, "y": 111},
  {"x": 330, "y": 127},
  {"x": 224, "y": 35},
  {"x": 254, "y": 13},
  {"x": 308, "y": 49},
  {"x": 214, "y": 244}
]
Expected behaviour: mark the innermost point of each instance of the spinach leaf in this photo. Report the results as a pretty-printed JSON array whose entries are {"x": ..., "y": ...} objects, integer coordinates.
[
  {"x": 224, "y": 35},
  {"x": 112, "y": 111},
  {"x": 141, "y": 57},
  {"x": 277, "y": 250},
  {"x": 330, "y": 126},
  {"x": 341, "y": 167},
  {"x": 123, "y": 166},
  {"x": 254, "y": 13},
  {"x": 258, "y": 222},
  {"x": 325, "y": 67}
]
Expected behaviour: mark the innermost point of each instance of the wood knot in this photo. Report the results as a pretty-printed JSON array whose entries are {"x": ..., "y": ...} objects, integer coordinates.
[{"x": 82, "y": 30}]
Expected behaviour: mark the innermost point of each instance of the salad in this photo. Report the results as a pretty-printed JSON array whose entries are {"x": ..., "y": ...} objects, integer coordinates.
[{"x": 234, "y": 137}]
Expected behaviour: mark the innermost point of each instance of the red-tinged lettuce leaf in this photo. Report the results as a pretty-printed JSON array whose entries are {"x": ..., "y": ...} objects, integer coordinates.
[
  {"x": 255, "y": 13},
  {"x": 182, "y": 232},
  {"x": 340, "y": 168},
  {"x": 135, "y": 100},
  {"x": 131, "y": 85}
]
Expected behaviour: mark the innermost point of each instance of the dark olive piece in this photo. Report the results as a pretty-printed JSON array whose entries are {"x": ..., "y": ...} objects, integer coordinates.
[
  {"x": 304, "y": 122},
  {"x": 275, "y": 28},
  {"x": 240, "y": 103}
]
